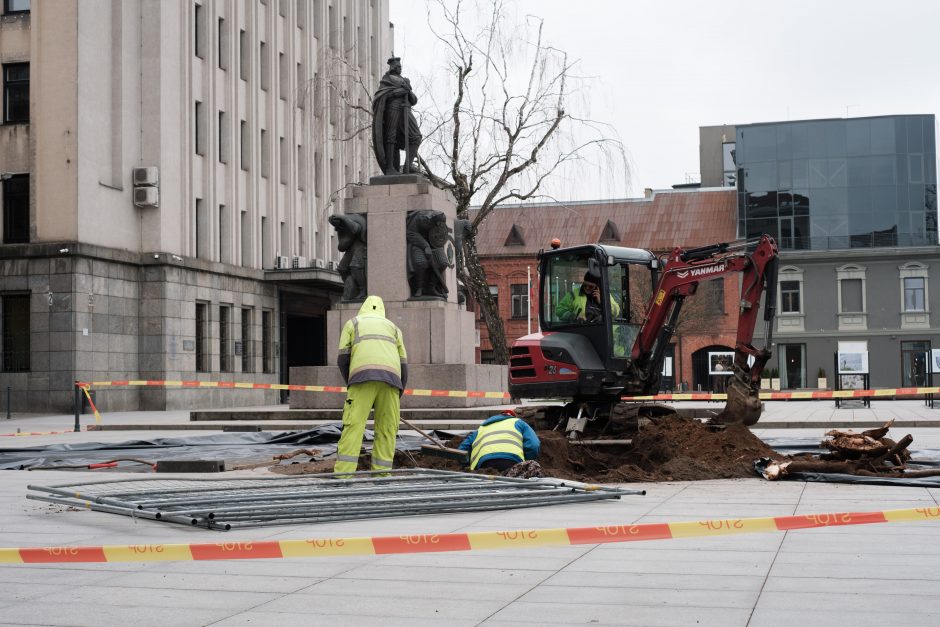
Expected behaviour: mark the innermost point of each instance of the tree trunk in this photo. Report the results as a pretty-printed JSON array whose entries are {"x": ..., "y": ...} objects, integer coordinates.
[{"x": 474, "y": 278}]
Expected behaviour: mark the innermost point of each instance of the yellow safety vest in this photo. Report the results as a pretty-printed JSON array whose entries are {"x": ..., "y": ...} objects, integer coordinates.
[
  {"x": 373, "y": 343},
  {"x": 497, "y": 437}
]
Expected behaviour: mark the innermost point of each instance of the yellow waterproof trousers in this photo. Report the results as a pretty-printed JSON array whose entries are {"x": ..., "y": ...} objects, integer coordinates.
[{"x": 360, "y": 398}]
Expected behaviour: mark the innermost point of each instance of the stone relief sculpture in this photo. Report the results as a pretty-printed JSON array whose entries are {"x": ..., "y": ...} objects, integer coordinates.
[
  {"x": 430, "y": 252},
  {"x": 394, "y": 127},
  {"x": 351, "y": 238}
]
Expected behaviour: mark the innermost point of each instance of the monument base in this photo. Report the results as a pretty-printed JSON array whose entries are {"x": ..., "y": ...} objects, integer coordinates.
[{"x": 456, "y": 377}]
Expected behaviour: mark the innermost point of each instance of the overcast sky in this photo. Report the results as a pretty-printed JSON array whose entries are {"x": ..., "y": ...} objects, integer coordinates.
[{"x": 666, "y": 67}]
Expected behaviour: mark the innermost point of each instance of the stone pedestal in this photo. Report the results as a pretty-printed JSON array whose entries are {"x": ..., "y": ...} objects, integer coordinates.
[{"x": 440, "y": 335}]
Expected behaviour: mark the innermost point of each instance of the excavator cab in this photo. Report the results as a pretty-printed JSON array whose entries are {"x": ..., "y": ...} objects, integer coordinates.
[{"x": 592, "y": 298}]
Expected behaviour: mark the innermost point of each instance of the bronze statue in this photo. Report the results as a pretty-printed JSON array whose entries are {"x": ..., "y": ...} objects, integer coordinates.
[
  {"x": 430, "y": 253},
  {"x": 351, "y": 238},
  {"x": 394, "y": 127}
]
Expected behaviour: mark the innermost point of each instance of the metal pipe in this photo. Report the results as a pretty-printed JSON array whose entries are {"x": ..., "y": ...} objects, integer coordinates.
[
  {"x": 8, "y": 403},
  {"x": 450, "y": 506},
  {"x": 229, "y": 498},
  {"x": 272, "y": 523},
  {"x": 198, "y": 511},
  {"x": 110, "y": 509}
]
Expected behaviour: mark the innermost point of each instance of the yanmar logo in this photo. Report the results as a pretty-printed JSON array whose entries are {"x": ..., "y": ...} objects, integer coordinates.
[{"x": 701, "y": 271}]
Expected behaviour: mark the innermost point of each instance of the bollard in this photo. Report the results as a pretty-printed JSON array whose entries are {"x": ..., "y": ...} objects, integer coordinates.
[
  {"x": 8, "y": 402},
  {"x": 78, "y": 407}
]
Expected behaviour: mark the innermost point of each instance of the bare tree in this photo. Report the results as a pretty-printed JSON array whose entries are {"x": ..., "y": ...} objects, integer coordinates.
[{"x": 506, "y": 129}]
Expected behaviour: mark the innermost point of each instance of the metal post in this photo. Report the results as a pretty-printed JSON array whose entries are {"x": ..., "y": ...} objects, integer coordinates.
[
  {"x": 8, "y": 402},
  {"x": 78, "y": 407}
]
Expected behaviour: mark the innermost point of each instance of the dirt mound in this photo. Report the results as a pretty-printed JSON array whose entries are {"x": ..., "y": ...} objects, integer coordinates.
[{"x": 669, "y": 448}]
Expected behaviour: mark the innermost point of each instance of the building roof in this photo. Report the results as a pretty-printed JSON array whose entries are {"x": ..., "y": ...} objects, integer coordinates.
[{"x": 667, "y": 219}]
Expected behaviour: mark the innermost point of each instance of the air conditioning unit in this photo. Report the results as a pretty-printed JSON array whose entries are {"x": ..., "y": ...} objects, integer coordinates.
[
  {"x": 282, "y": 263},
  {"x": 146, "y": 197},
  {"x": 319, "y": 263},
  {"x": 147, "y": 176},
  {"x": 299, "y": 262}
]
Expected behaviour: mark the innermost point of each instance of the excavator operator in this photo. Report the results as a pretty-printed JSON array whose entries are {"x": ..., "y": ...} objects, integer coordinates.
[{"x": 583, "y": 303}]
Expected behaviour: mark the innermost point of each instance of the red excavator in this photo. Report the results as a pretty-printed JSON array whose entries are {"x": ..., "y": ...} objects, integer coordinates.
[{"x": 594, "y": 350}]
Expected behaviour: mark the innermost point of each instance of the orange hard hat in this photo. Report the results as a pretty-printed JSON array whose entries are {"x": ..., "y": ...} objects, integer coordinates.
[{"x": 556, "y": 243}]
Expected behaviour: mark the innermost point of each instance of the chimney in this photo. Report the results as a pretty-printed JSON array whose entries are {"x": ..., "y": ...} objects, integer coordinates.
[{"x": 648, "y": 192}]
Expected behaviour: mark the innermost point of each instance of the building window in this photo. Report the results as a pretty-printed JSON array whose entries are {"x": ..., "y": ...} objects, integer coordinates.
[
  {"x": 225, "y": 338},
  {"x": 520, "y": 300},
  {"x": 265, "y": 70},
  {"x": 16, "y": 93},
  {"x": 494, "y": 292},
  {"x": 199, "y": 124},
  {"x": 224, "y": 142},
  {"x": 265, "y": 155},
  {"x": 246, "y": 346},
  {"x": 243, "y": 61},
  {"x": 283, "y": 78},
  {"x": 282, "y": 167},
  {"x": 853, "y": 305},
  {"x": 16, "y": 209},
  {"x": 199, "y": 25},
  {"x": 245, "y": 139},
  {"x": 850, "y": 293},
  {"x": 790, "y": 297},
  {"x": 202, "y": 337},
  {"x": 15, "y": 6},
  {"x": 267, "y": 341},
  {"x": 15, "y": 320},
  {"x": 914, "y": 288},
  {"x": 223, "y": 45},
  {"x": 716, "y": 296},
  {"x": 915, "y": 296}
]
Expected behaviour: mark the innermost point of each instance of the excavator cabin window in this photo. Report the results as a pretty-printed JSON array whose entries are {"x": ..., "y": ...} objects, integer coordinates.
[{"x": 573, "y": 295}]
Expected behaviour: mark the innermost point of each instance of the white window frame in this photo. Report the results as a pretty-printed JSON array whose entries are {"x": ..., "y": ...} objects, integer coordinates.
[
  {"x": 794, "y": 321},
  {"x": 853, "y": 320},
  {"x": 914, "y": 319}
]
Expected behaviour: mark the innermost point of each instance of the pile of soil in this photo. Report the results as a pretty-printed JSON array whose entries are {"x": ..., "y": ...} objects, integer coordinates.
[{"x": 667, "y": 448}]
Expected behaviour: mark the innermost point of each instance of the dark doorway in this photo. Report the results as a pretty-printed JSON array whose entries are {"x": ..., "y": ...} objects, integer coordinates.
[
  {"x": 701, "y": 378},
  {"x": 302, "y": 334}
]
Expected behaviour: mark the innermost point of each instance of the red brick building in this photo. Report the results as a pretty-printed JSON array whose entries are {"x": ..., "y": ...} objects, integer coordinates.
[{"x": 509, "y": 239}]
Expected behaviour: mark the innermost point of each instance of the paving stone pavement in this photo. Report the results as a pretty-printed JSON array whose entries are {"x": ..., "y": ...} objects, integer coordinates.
[{"x": 858, "y": 575}]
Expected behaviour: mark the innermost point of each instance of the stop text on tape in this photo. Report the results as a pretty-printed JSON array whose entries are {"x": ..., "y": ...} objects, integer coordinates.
[{"x": 441, "y": 543}]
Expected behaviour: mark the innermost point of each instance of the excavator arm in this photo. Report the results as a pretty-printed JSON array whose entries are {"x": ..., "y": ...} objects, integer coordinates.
[{"x": 681, "y": 274}]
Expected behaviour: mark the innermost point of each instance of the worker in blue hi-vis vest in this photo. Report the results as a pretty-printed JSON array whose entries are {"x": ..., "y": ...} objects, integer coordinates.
[
  {"x": 501, "y": 442},
  {"x": 374, "y": 364}
]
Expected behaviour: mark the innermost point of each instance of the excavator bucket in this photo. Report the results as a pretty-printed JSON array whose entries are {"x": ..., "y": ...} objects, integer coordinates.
[{"x": 743, "y": 404}]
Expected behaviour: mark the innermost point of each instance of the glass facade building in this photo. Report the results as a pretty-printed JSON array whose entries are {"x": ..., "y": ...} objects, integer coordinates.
[{"x": 839, "y": 183}]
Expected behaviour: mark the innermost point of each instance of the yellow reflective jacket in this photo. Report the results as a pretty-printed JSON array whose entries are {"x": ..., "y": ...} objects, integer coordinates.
[
  {"x": 497, "y": 437},
  {"x": 371, "y": 347}
]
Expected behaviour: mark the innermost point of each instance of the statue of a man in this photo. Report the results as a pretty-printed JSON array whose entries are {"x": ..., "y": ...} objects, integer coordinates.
[{"x": 394, "y": 127}]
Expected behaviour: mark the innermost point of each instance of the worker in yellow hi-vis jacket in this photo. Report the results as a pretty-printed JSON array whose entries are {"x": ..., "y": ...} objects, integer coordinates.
[{"x": 374, "y": 364}]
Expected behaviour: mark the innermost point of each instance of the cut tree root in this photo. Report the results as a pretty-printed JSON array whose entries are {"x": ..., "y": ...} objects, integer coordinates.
[{"x": 868, "y": 454}]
